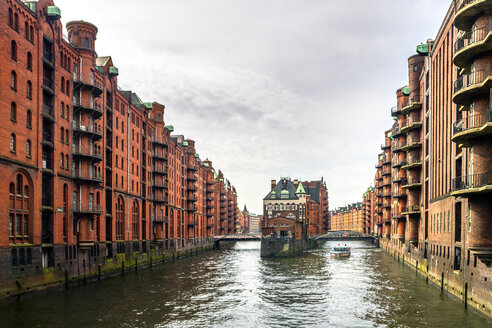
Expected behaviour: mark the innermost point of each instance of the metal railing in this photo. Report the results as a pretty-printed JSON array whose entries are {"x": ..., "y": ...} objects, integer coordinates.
[
  {"x": 89, "y": 80},
  {"x": 473, "y": 36},
  {"x": 87, "y": 151},
  {"x": 96, "y": 129},
  {"x": 460, "y": 4},
  {"x": 470, "y": 79},
  {"x": 472, "y": 121},
  {"x": 87, "y": 175},
  {"x": 472, "y": 181},
  {"x": 408, "y": 209},
  {"x": 87, "y": 208}
]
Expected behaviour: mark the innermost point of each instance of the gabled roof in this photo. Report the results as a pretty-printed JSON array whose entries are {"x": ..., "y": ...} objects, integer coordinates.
[
  {"x": 300, "y": 189},
  {"x": 284, "y": 188}
]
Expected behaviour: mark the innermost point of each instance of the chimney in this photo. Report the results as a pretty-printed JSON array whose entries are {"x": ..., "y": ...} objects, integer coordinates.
[
  {"x": 296, "y": 182},
  {"x": 274, "y": 183}
]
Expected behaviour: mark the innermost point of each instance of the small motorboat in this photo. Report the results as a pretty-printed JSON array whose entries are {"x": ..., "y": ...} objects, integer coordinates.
[{"x": 340, "y": 251}]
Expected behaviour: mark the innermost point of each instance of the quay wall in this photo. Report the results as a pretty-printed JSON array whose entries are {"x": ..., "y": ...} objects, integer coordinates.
[
  {"x": 280, "y": 247},
  {"x": 439, "y": 271},
  {"x": 34, "y": 278}
]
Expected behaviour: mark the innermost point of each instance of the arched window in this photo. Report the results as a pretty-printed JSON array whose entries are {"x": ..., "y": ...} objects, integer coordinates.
[
  {"x": 31, "y": 33},
  {"x": 16, "y": 22},
  {"x": 28, "y": 148},
  {"x": 11, "y": 18},
  {"x": 66, "y": 162},
  {"x": 26, "y": 30},
  {"x": 67, "y": 113},
  {"x": 29, "y": 61},
  {"x": 19, "y": 210},
  {"x": 63, "y": 84},
  {"x": 13, "y": 112},
  {"x": 135, "y": 226},
  {"x": 68, "y": 88},
  {"x": 29, "y": 90},
  {"x": 62, "y": 161},
  {"x": 12, "y": 143},
  {"x": 29, "y": 119},
  {"x": 120, "y": 218},
  {"x": 65, "y": 211},
  {"x": 13, "y": 50},
  {"x": 62, "y": 112},
  {"x": 67, "y": 139},
  {"x": 13, "y": 80},
  {"x": 62, "y": 135}
]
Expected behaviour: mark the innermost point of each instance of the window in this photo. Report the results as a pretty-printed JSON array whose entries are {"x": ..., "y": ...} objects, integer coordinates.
[
  {"x": 28, "y": 119},
  {"x": 62, "y": 112},
  {"x": 16, "y": 22},
  {"x": 13, "y": 112},
  {"x": 68, "y": 88},
  {"x": 67, "y": 113},
  {"x": 86, "y": 43},
  {"x": 26, "y": 31},
  {"x": 62, "y": 161},
  {"x": 29, "y": 61},
  {"x": 12, "y": 143},
  {"x": 63, "y": 84},
  {"x": 67, "y": 138},
  {"x": 66, "y": 162},
  {"x": 31, "y": 33},
  {"x": 13, "y": 50},
  {"x": 62, "y": 135},
  {"x": 29, "y": 90},
  {"x": 122, "y": 127},
  {"x": 19, "y": 209},
  {"x": 28, "y": 148},
  {"x": 13, "y": 80},
  {"x": 11, "y": 18}
]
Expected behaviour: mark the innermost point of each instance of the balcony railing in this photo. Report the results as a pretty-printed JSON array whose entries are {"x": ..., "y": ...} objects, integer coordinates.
[
  {"x": 87, "y": 208},
  {"x": 87, "y": 151},
  {"x": 472, "y": 181},
  {"x": 94, "y": 176},
  {"x": 473, "y": 36},
  {"x": 472, "y": 122},
  {"x": 410, "y": 181},
  {"x": 471, "y": 79},
  {"x": 410, "y": 209},
  {"x": 159, "y": 199},
  {"x": 86, "y": 104},
  {"x": 87, "y": 80},
  {"x": 94, "y": 129},
  {"x": 460, "y": 4}
]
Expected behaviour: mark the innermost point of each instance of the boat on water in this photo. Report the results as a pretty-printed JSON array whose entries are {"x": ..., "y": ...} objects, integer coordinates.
[{"x": 340, "y": 251}]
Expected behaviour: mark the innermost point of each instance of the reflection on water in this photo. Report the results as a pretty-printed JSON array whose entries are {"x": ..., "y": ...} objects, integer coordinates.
[{"x": 235, "y": 288}]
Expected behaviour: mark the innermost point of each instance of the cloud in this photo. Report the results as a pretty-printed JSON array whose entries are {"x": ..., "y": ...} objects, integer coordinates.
[{"x": 270, "y": 88}]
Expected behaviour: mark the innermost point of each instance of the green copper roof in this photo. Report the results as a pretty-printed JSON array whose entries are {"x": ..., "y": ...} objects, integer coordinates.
[
  {"x": 148, "y": 105},
  {"x": 405, "y": 91},
  {"x": 365, "y": 194},
  {"x": 221, "y": 180},
  {"x": 53, "y": 12},
  {"x": 390, "y": 135},
  {"x": 382, "y": 157},
  {"x": 113, "y": 70},
  {"x": 300, "y": 189},
  {"x": 196, "y": 155},
  {"x": 423, "y": 49},
  {"x": 273, "y": 192},
  {"x": 185, "y": 143},
  {"x": 169, "y": 127},
  {"x": 205, "y": 164},
  {"x": 284, "y": 192}
]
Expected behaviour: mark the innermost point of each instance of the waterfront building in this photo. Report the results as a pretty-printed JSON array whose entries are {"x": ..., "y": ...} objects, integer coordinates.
[
  {"x": 439, "y": 185},
  {"x": 94, "y": 174},
  {"x": 306, "y": 202},
  {"x": 350, "y": 217}
]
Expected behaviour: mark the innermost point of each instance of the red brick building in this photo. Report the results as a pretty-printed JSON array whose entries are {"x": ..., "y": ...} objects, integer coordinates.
[
  {"x": 350, "y": 217},
  {"x": 435, "y": 210},
  {"x": 92, "y": 170}
]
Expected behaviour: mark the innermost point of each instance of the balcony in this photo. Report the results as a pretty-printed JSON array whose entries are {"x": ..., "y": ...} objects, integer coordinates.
[
  {"x": 470, "y": 85},
  {"x": 399, "y": 194},
  {"x": 412, "y": 163},
  {"x": 160, "y": 142},
  {"x": 395, "y": 111},
  {"x": 48, "y": 85},
  {"x": 90, "y": 177},
  {"x": 88, "y": 153},
  {"x": 85, "y": 105},
  {"x": 210, "y": 207},
  {"x": 414, "y": 142},
  {"x": 159, "y": 219},
  {"x": 396, "y": 178},
  {"x": 192, "y": 187},
  {"x": 192, "y": 208},
  {"x": 95, "y": 131},
  {"x": 386, "y": 183},
  {"x": 467, "y": 10},
  {"x": 48, "y": 113},
  {"x": 386, "y": 204},
  {"x": 471, "y": 44},
  {"x": 385, "y": 146},
  {"x": 159, "y": 156},
  {"x": 378, "y": 166},
  {"x": 156, "y": 170},
  {"x": 412, "y": 105},
  {"x": 192, "y": 168},
  {"x": 159, "y": 199},
  {"x": 160, "y": 185},
  {"x": 399, "y": 215},
  {"x": 191, "y": 177},
  {"x": 411, "y": 210},
  {"x": 397, "y": 146},
  {"x": 386, "y": 171},
  {"x": 411, "y": 183},
  {"x": 398, "y": 162},
  {"x": 192, "y": 199},
  {"x": 397, "y": 132},
  {"x": 88, "y": 82},
  {"x": 411, "y": 124},
  {"x": 87, "y": 209},
  {"x": 469, "y": 185},
  {"x": 472, "y": 126}
]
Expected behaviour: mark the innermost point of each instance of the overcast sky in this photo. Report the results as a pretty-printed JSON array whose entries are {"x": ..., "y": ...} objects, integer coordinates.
[{"x": 269, "y": 88}]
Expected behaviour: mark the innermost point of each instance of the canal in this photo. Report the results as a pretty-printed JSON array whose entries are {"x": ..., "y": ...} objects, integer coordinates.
[{"x": 235, "y": 288}]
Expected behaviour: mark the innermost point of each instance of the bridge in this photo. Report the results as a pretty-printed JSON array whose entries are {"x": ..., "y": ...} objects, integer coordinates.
[
  {"x": 238, "y": 237},
  {"x": 347, "y": 235}
]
